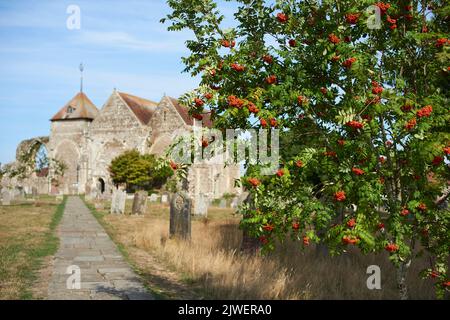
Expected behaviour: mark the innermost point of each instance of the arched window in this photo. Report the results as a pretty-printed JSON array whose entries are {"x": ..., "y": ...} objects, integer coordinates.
[
  {"x": 164, "y": 115},
  {"x": 70, "y": 109},
  {"x": 41, "y": 162}
]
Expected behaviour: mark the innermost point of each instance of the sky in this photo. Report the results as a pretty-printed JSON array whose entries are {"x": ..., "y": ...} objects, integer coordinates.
[{"x": 122, "y": 45}]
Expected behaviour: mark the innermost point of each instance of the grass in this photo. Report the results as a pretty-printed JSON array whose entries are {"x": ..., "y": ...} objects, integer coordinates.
[
  {"x": 26, "y": 238},
  {"x": 212, "y": 265}
]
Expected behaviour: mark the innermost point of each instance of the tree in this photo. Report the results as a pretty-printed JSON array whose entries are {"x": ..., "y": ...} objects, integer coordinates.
[
  {"x": 139, "y": 171},
  {"x": 372, "y": 99}
]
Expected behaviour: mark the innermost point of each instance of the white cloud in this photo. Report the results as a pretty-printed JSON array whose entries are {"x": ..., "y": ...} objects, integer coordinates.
[{"x": 125, "y": 40}]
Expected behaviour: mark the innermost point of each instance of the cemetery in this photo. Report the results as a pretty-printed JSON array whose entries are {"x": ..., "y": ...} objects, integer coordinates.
[{"x": 306, "y": 155}]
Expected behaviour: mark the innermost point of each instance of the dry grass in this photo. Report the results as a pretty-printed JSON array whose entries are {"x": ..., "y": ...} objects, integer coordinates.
[
  {"x": 24, "y": 239},
  {"x": 212, "y": 264}
]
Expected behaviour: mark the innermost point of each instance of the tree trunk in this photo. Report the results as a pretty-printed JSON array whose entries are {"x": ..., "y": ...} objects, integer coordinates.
[
  {"x": 402, "y": 273},
  {"x": 249, "y": 244}
]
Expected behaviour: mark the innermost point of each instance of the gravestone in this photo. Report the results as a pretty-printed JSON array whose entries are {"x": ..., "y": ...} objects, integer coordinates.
[
  {"x": 19, "y": 194},
  {"x": 6, "y": 197},
  {"x": 201, "y": 205},
  {"x": 234, "y": 203},
  {"x": 118, "y": 202},
  {"x": 139, "y": 202},
  {"x": 180, "y": 216},
  {"x": 153, "y": 197},
  {"x": 34, "y": 191},
  {"x": 223, "y": 203},
  {"x": 164, "y": 198}
]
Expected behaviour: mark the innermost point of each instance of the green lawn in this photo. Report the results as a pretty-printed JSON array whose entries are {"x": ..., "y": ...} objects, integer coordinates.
[{"x": 26, "y": 238}]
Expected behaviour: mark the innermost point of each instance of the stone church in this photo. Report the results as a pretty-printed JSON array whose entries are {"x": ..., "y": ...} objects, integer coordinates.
[{"x": 86, "y": 139}]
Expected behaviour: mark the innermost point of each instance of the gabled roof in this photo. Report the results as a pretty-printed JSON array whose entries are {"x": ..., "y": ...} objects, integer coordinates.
[
  {"x": 184, "y": 113},
  {"x": 142, "y": 108},
  {"x": 80, "y": 107}
]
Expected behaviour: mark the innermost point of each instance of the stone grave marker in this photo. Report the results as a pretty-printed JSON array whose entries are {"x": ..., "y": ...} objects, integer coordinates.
[
  {"x": 223, "y": 203},
  {"x": 201, "y": 205},
  {"x": 34, "y": 191},
  {"x": 153, "y": 197},
  {"x": 180, "y": 216},
  {"x": 164, "y": 198},
  {"x": 6, "y": 197},
  {"x": 118, "y": 202},
  {"x": 139, "y": 202}
]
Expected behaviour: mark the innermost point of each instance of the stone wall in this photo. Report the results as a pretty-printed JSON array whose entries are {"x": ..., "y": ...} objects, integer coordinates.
[{"x": 116, "y": 129}]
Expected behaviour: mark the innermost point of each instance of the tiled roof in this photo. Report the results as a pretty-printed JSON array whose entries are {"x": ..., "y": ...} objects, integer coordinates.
[
  {"x": 184, "y": 113},
  {"x": 80, "y": 107},
  {"x": 142, "y": 108}
]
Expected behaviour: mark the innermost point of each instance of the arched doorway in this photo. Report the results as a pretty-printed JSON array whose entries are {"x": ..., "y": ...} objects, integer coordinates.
[{"x": 101, "y": 185}]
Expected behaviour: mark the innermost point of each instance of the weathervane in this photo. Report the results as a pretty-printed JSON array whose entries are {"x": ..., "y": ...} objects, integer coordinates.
[{"x": 81, "y": 77}]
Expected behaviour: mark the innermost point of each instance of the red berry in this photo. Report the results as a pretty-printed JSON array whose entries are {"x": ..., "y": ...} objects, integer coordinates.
[
  {"x": 391, "y": 247},
  {"x": 306, "y": 240},
  {"x": 267, "y": 59},
  {"x": 199, "y": 102},
  {"x": 254, "y": 182},
  {"x": 358, "y": 171},
  {"x": 271, "y": 79},
  {"x": 173, "y": 165},
  {"x": 280, "y": 172},
  {"x": 282, "y": 17},
  {"x": 339, "y": 196},
  {"x": 351, "y": 223},
  {"x": 333, "y": 38}
]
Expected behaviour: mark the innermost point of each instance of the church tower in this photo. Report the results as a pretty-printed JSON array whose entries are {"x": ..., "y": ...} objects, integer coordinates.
[{"x": 69, "y": 132}]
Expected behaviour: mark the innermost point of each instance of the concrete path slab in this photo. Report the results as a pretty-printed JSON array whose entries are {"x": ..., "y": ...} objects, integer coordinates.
[{"x": 84, "y": 244}]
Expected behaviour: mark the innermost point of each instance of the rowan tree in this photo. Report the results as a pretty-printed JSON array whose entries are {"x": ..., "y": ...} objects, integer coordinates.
[{"x": 363, "y": 111}]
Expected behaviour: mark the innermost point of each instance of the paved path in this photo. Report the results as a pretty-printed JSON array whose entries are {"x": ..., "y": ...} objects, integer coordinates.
[{"x": 84, "y": 243}]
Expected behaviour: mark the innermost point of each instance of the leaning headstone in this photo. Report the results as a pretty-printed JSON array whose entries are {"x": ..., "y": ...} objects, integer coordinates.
[
  {"x": 118, "y": 202},
  {"x": 223, "y": 203},
  {"x": 201, "y": 205},
  {"x": 153, "y": 197},
  {"x": 180, "y": 216},
  {"x": 6, "y": 198},
  {"x": 139, "y": 202},
  {"x": 164, "y": 198}
]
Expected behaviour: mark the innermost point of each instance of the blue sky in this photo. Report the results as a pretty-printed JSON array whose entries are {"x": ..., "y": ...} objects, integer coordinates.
[{"x": 121, "y": 43}]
